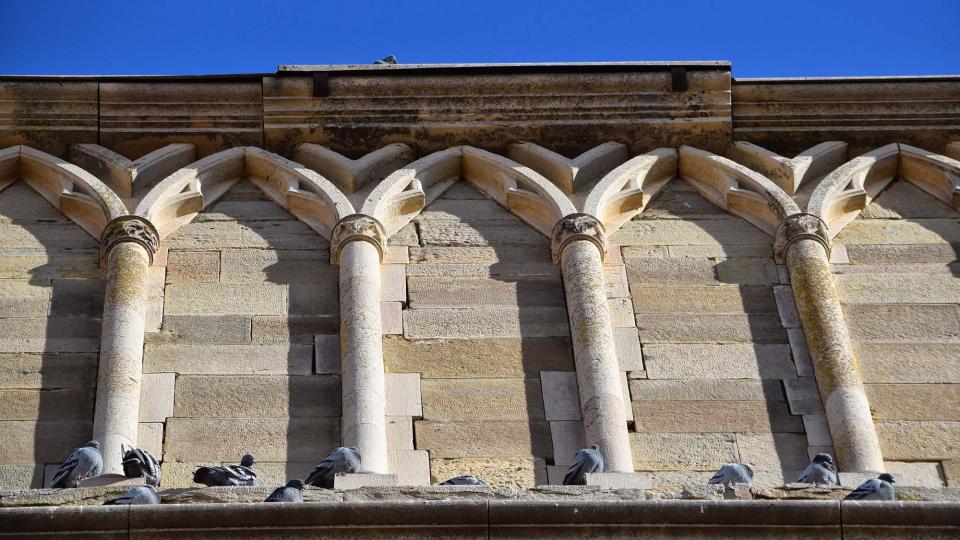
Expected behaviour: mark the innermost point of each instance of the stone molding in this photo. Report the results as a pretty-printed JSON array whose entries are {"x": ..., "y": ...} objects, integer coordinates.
[
  {"x": 130, "y": 229},
  {"x": 574, "y": 227},
  {"x": 800, "y": 226},
  {"x": 357, "y": 227}
]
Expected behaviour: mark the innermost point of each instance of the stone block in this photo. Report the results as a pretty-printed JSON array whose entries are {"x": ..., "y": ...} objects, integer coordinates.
[
  {"x": 951, "y": 471},
  {"x": 153, "y": 317},
  {"x": 920, "y": 474},
  {"x": 53, "y": 370},
  {"x": 555, "y": 474},
  {"x": 161, "y": 257},
  {"x": 47, "y": 404},
  {"x": 76, "y": 298},
  {"x": 894, "y": 253},
  {"x": 905, "y": 200},
  {"x": 812, "y": 451},
  {"x": 800, "y": 352},
  {"x": 206, "y": 329},
  {"x": 46, "y": 441},
  {"x": 615, "y": 280},
  {"x": 773, "y": 451},
  {"x": 515, "y": 473},
  {"x": 643, "y": 252},
  {"x": 674, "y": 481},
  {"x": 457, "y": 233},
  {"x": 714, "y": 417},
  {"x": 391, "y": 318},
  {"x": 486, "y": 255},
  {"x": 279, "y": 266},
  {"x": 211, "y": 359},
  {"x": 803, "y": 396},
  {"x": 481, "y": 399},
  {"x": 156, "y": 396},
  {"x": 710, "y": 328},
  {"x": 242, "y": 210},
  {"x": 464, "y": 292},
  {"x": 886, "y": 231},
  {"x": 50, "y": 335},
  {"x": 898, "y": 288},
  {"x": 466, "y": 211},
  {"x": 314, "y": 298},
  {"x": 478, "y": 358},
  {"x": 561, "y": 395},
  {"x": 45, "y": 236},
  {"x": 647, "y": 270},
  {"x": 498, "y": 271},
  {"x": 711, "y": 361},
  {"x": 403, "y": 394},
  {"x": 150, "y": 438},
  {"x": 760, "y": 251},
  {"x": 914, "y": 401},
  {"x": 16, "y": 477},
  {"x": 326, "y": 356},
  {"x": 407, "y": 236},
  {"x": 21, "y": 298},
  {"x": 919, "y": 441},
  {"x": 683, "y": 451},
  {"x": 707, "y": 232},
  {"x": 399, "y": 433},
  {"x": 621, "y": 312},
  {"x": 627, "y": 344},
  {"x": 851, "y": 480},
  {"x": 219, "y": 298},
  {"x": 393, "y": 286},
  {"x": 484, "y": 439},
  {"x": 625, "y": 392},
  {"x": 270, "y": 439},
  {"x": 297, "y": 329},
  {"x": 711, "y": 390},
  {"x": 39, "y": 264},
  {"x": 270, "y": 234},
  {"x": 787, "y": 307},
  {"x": 396, "y": 255},
  {"x": 485, "y": 323},
  {"x": 344, "y": 481},
  {"x": 193, "y": 267},
  {"x": 412, "y": 467},
  {"x": 747, "y": 271},
  {"x": 670, "y": 298},
  {"x": 903, "y": 322},
  {"x": 817, "y": 430},
  {"x": 257, "y": 396},
  {"x": 619, "y": 480},
  {"x": 568, "y": 438}
]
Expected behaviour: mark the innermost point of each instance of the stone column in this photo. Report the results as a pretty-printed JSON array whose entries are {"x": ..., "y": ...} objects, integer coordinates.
[
  {"x": 802, "y": 240},
  {"x": 357, "y": 243},
  {"x": 578, "y": 244},
  {"x": 128, "y": 245}
]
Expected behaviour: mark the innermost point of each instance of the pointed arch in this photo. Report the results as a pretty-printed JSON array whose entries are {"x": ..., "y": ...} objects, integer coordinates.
[
  {"x": 129, "y": 178},
  {"x": 77, "y": 194},
  {"x": 627, "y": 190},
  {"x": 177, "y": 199},
  {"x": 790, "y": 173}
]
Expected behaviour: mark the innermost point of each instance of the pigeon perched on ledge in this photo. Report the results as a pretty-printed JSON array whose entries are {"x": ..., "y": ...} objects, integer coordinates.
[
  {"x": 139, "y": 463},
  {"x": 733, "y": 473},
  {"x": 340, "y": 460},
  {"x": 84, "y": 462},
  {"x": 292, "y": 492},
  {"x": 822, "y": 471},
  {"x": 875, "y": 489},
  {"x": 588, "y": 460},
  {"x": 465, "y": 480},
  {"x": 387, "y": 60},
  {"x": 228, "y": 475},
  {"x": 138, "y": 495}
]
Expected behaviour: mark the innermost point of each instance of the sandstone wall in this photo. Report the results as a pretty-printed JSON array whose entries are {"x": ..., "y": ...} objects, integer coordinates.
[{"x": 901, "y": 293}]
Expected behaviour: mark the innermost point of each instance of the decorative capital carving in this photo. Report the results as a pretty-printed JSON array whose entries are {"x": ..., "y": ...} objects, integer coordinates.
[
  {"x": 800, "y": 226},
  {"x": 357, "y": 227},
  {"x": 577, "y": 227},
  {"x": 130, "y": 229}
]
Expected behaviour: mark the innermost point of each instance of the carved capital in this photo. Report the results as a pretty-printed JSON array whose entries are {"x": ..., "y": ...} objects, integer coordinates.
[
  {"x": 353, "y": 228},
  {"x": 130, "y": 229},
  {"x": 577, "y": 227},
  {"x": 801, "y": 226}
]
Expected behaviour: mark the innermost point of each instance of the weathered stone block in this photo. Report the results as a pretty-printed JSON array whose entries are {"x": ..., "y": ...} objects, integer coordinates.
[
  {"x": 314, "y": 298},
  {"x": 914, "y": 401},
  {"x": 345, "y": 481},
  {"x": 712, "y": 390},
  {"x": 403, "y": 394},
  {"x": 21, "y": 298},
  {"x": 396, "y": 255},
  {"x": 895, "y": 288},
  {"x": 270, "y": 439},
  {"x": 326, "y": 354},
  {"x": 709, "y": 361},
  {"x": 885, "y": 231},
  {"x": 714, "y": 417},
  {"x": 49, "y": 335},
  {"x": 920, "y": 474},
  {"x": 204, "y": 329},
  {"x": 760, "y": 251},
  {"x": 76, "y": 298},
  {"x": 412, "y": 467},
  {"x": 512, "y": 271},
  {"x": 447, "y": 292},
  {"x": 629, "y": 353},
  {"x": 407, "y": 236},
  {"x": 391, "y": 318},
  {"x": 951, "y": 471},
  {"x": 516, "y": 473},
  {"x": 47, "y": 441},
  {"x": 456, "y": 233},
  {"x": 468, "y": 211},
  {"x": 63, "y": 370},
  {"x": 621, "y": 312},
  {"x": 481, "y": 399},
  {"x": 909, "y": 362},
  {"x": 45, "y": 236},
  {"x": 485, "y": 323},
  {"x": 39, "y": 264},
  {"x": 703, "y": 299},
  {"x": 478, "y": 358},
  {"x": 561, "y": 395},
  {"x": 150, "y": 438},
  {"x": 803, "y": 395},
  {"x": 47, "y": 404},
  {"x": 484, "y": 439},
  {"x": 903, "y": 322},
  {"x": 817, "y": 430},
  {"x": 279, "y": 266},
  {"x": 299, "y": 329},
  {"x": 275, "y": 234},
  {"x": 257, "y": 396},
  {"x": 218, "y": 298},
  {"x": 905, "y": 200},
  {"x": 800, "y": 352},
  {"x": 393, "y": 286},
  {"x": 641, "y": 232},
  {"x": 895, "y": 253},
  {"x": 747, "y": 271},
  {"x": 787, "y": 307},
  {"x": 619, "y": 480},
  {"x": 919, "y": 441},
  {"x": 568, "y": 439},
  {"x": 710, "y": 328},
  {"x": 243, "y": 210},
  {"x": 682, "y": 451},
  {"x": 210, "y": 359},
  {"x": 399, "y": 433},
  {"x": 443, "y": 255},
  {"x": 20, "y": 476},
  {"x": 773, "y": 451},
  {"x": 615, "y": 279},
  {"x": 673, "y": 270},
  {"x": 156, "y": 396},
  {"x": 193, "y": 266}
]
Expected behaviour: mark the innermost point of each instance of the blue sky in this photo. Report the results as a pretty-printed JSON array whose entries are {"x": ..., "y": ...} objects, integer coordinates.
[{"x": 762, "y": 39}]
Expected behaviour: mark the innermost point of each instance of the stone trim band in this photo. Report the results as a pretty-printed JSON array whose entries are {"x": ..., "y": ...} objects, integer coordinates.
[
  {"x": 356, "y": 227},
  {"x": 577, "y": 227},
  {"x": 799, "y": 226},
  {"x": 130, "y": 229}
]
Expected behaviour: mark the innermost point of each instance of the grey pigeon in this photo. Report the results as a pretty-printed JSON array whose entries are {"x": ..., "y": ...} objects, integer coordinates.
[
  {"x": 292, "y": 492},
  {"x": 228, "y": 475},
  {"x": 138, "y": 495},
  {"x": 588, "y": 460},
  {"x": 84, "y": 462},
  {"x": 340, "y": 460},
  {"x": 879, "y": 489},
  {"x": 465, "y": 480},
  {"x": 387, "y": 60},
  {"x": 822, "y": 471},
  {"x": 139, "y": 463},
  {"x": 733, "y": 473}
]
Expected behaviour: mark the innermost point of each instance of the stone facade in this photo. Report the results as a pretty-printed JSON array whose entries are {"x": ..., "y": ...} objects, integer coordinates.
[{"x": 556, "y": 268}]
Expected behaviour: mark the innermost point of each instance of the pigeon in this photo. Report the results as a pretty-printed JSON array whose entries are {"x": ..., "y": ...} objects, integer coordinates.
[
  {"x": 733, "y": 473},
  {"x": 588, "y": 460},
  {"x": 139, "y": 463},
  {"x": 822, "y": 471},
  {"x": 387, "y": 60},
  {"x": 292, "y": 492},
  {"x": 138, "y": 495},
  {"x": 340, "y": 460},
  {"x": 228, "y": 475},
  {"x": 84, "y": 462},
  {"x": 879, "y": 489},
  {"x": 465, "y": 480}
]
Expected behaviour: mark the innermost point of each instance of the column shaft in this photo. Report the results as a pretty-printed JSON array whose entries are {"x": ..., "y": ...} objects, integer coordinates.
[
  {"x": 121, "y": 352},
  {"x": 837, "y": 370},
  {"x": 361, "y": 346},
  {"x": 598, "y": 372}
]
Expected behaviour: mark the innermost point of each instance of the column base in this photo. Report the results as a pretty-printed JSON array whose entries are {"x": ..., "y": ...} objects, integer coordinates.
[
  {"x": 618, "y": 480},
  {"x": 112, "y": 480},
  {"x": 359, "y": 480}
]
